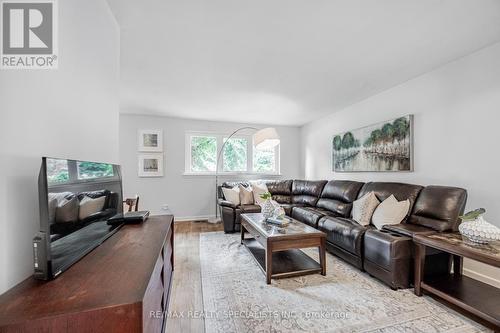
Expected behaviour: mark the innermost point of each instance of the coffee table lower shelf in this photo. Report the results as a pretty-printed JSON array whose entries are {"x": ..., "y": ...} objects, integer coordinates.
[{"x": 286, "y": 263}]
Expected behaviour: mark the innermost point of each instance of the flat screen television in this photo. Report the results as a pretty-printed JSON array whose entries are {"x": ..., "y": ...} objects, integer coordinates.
[{"x": 76, "y": 200}]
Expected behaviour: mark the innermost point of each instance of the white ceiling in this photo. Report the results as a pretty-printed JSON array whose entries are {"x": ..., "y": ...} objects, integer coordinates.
[{"x": 286, "y": 62}]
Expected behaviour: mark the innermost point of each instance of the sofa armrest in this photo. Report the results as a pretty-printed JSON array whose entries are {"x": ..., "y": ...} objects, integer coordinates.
[{"x": 226, "y": 203}]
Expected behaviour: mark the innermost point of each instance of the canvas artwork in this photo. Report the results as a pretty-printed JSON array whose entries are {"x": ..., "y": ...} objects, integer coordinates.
[{"x": 386, "y": 146}]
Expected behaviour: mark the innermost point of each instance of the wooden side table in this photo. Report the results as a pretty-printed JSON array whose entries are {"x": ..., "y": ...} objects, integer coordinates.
[{"x": 476, "y": 297}]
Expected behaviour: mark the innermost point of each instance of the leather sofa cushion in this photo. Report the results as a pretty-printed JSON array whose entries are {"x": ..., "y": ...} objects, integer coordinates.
[
  {"x": 438, "y": 207},
  {"x": 307, "y": 215},
  {"x": 344, "y": 233},
  {"x": 249, "y": 209},
  {"x": 338, "y": 195},
  {"x": 401, "y": 192},
  {"x": 288, "y": 208},
  {"x": 408, "y": 229},
  {"x": 281, "y": 190},
  {"x": 382, "y": 247},
  {"x": 282, "y": 199},
  {"x": 307, "y": 192},
  {"x": 283, "y": 187}
]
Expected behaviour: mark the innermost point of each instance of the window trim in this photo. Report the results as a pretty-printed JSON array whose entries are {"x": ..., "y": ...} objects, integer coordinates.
[
  {"x": 219, "y": 139},
  {"x": 73, "y": 175}
]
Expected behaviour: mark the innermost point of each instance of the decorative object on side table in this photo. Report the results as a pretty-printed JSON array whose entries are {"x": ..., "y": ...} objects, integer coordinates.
[
  {"x": 267, "y": 206},
  {"x": 281, "y": 221},
  {"x": 476, "y": 229}
]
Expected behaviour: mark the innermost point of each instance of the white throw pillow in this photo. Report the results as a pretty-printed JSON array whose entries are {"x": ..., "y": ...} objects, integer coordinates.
[
  {"x": 89, "y": 206},
  {"x": 363, "y": 208},
  {"x": 232, "y": 195},
  {"x": 246, "y": 195},
  {"x": 390, "y": 211},
  {"x": 258, "y": 189}
]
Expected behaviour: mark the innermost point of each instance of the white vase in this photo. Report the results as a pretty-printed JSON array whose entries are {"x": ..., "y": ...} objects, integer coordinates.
[
  {"x": 267, "y": 208},
  {"x": 479, "y": 231}
]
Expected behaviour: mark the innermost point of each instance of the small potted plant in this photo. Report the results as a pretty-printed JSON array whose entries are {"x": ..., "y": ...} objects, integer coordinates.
[{"x": 476, "y": 229}]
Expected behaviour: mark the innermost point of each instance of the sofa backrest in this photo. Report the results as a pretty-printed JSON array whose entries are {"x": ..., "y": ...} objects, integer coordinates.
[
  {"x": 281, "y": 190},
  {"x": 439, "y": 208},
  {"x": 307, "y": 192},
  {"x": 401, "y": 191},
  {"x": 338, "y": 195}
]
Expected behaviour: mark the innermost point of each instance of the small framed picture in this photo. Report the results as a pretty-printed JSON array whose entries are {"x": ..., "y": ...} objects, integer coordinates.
[
  {"x": 150, "y": 140},
  {"x": 151, "y": 165}
]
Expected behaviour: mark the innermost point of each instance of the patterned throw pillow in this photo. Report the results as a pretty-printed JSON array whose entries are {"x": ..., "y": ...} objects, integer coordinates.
[
  {"x": 258, "y": 189},
  {"x": 363, "y": 208},
  {"x": 246, "y": 195},
  {"x": 390, "y": 212}
]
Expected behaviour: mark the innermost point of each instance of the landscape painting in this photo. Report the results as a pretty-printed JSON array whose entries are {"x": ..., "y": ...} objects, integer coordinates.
[{"x": 387, "y": 146}]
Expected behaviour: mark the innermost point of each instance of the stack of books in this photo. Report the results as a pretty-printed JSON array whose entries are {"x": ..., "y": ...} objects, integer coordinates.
[{"x": 281, "y": 221}]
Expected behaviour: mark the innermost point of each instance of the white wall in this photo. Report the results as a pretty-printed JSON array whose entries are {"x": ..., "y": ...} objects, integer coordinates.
[
  {"x": 457, "y": 117},
  {"x": 71, "y": 112},
  {"x": 187, "y": 196}
]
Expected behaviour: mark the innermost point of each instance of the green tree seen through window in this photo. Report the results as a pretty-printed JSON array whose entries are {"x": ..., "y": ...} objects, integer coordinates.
[
  {"x": 235, "y": 155},
  {"x": 90, "y": 170},
  {"x": 203, "y": 153}
]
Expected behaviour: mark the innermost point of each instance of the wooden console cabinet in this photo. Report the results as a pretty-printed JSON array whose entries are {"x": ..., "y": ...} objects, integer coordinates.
[
  {"x": 480, "y": 299},
  {"x": 121, "y": 286}
]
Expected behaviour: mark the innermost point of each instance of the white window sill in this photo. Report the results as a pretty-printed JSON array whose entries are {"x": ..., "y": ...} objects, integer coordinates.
[{"x": 230, "y": 174}]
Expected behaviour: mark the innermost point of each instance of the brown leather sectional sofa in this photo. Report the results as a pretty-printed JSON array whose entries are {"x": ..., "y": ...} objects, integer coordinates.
[{"x": 386, "y": 254}]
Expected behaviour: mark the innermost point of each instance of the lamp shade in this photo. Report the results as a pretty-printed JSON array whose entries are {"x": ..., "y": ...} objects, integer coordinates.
[{"x": 266, "y": 138}]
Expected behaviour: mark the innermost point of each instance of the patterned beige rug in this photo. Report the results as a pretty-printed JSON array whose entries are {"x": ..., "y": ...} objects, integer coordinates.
[{"x": 237, "y": 299}]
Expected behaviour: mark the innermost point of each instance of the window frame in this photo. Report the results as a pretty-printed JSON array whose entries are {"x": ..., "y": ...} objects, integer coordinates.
[
  {"x": 73, "y": 174},
  {"x": 220, "y": 141}
]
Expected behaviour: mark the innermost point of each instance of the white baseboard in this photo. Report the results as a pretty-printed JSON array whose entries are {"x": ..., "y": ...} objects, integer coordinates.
[
  {"x": 193, "y": 218},
  {"x": 481, "y": 277}
]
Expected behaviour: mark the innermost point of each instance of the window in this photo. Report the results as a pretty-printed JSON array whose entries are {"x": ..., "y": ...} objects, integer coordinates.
[
  {"x": 71, "y": 171},
  {"x": 91, "y": 170},
  {"x": 239, "y": 155},
  {"x": 57, "y": 171},
  {"x": 264, "y": 160},
  {"x": 235, "y": 155},
  {"x": 203, "y": 153}
]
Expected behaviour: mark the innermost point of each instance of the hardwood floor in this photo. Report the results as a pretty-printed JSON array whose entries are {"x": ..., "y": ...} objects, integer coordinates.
[{"x": 186, "y": 297}]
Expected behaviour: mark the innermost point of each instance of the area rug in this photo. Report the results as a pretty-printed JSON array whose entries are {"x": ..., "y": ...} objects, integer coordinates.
[{"x": 236, "y": 298}]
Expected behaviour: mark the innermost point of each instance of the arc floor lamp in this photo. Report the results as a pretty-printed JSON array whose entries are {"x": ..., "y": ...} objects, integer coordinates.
[{"x": 265, "y": 138}]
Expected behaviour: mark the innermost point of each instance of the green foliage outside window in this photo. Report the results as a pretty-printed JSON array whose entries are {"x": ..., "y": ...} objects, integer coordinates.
[
  {"x": 235, "y": 155},
  {"x": 90, "y": 170},
  {"x": 264, "y": 160},
  {"x": 203, "y": 153},
  {"x": 57, "y": 171}
]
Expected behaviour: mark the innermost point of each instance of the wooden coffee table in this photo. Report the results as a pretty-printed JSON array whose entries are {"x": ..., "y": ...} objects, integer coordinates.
[{"x": 277, "y": 249}]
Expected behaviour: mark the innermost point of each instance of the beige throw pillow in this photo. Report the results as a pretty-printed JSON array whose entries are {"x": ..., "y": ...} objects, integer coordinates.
[
  {"x": 232, "y": 195},
  {"x": 390, "y": 212},
  {"x": 67, "y": 210},
  {"x": 246, "y": 195},
  {"x": 89, "y": 206},
  {"x": 363, "y": 208},
  {"x": 258, "y": 189}
]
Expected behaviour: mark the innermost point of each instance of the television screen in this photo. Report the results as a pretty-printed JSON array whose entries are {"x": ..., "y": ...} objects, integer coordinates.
[{"x": 76, "y": 200}]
